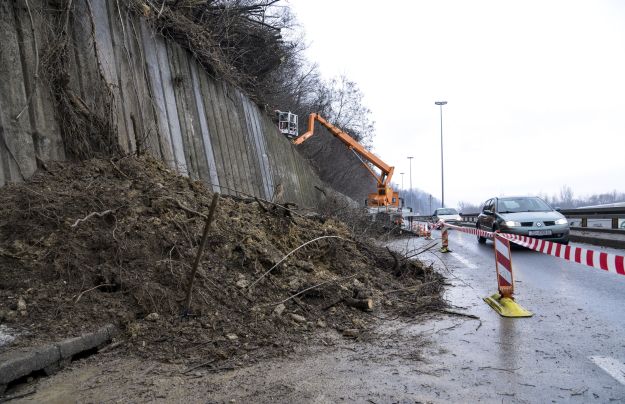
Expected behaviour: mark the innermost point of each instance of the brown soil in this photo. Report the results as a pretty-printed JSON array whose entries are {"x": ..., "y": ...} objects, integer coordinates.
[{"x": 60, "y": 276}]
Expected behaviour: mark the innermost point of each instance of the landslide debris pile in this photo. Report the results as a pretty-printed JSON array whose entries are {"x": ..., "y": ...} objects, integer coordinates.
[{"x": 83, "y": 244}]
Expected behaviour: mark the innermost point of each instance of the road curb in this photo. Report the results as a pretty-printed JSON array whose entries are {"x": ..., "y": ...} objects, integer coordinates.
[
  {"x": 49, "y": 358},
  {"x": 603, "y": 242}
]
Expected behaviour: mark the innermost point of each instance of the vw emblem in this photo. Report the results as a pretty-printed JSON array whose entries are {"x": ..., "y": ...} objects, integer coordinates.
[{"x": 539, "y": 224}]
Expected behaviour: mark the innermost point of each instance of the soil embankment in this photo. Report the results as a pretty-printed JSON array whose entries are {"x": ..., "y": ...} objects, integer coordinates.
[{"x": 113, "y": 241}]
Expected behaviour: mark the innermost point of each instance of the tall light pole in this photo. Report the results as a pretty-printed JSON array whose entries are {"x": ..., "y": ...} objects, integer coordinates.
[
  {"x": 402, "y": 183},
  {"x": 440, "y": 105},
  {"x": 410, "y": 160}
]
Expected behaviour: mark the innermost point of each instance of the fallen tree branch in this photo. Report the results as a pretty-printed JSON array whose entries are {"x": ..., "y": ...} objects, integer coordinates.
[
  {"x": 395, "y": 260},
  {"x": 188, "y": 210},
  {"x": 200, "y": 250},
  {"x": 198, "y": 366},
  {"x": 456, "y": 313},
  {"x": 92, "y": 214},
  {"x": 261, "y": 205},
  {"x": 410, "y": 288},
  {"x": 93, "y": 288},
  {"x": 313, "y": 287},
  {"x": 289, "y": 254},
  {"x": 360, "y": 304}
]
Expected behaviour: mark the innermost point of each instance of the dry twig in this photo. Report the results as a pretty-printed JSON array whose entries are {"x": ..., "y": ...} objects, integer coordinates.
[
  {"x": 90, "y": 215},
  {"x": 287, "y": 256}
]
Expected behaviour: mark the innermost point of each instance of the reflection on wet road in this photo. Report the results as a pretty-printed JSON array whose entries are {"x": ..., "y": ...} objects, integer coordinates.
[{"x": 578, "y": 317}]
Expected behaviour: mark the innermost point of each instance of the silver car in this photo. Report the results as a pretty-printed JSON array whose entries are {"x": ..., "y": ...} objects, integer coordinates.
[
  {"x": 526, "y": 216},
  {"x": 449, "y": 215}
]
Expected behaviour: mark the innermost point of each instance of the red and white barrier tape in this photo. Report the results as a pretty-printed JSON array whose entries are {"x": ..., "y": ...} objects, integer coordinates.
[
  {"x": 596, "y": 259},
  {"x": 592, "y": 258}
]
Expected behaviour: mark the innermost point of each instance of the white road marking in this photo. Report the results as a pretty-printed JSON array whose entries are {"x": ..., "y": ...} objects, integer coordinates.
[
  {"x": 465, "y": 261},
  {"x": 611, "y": 366}
]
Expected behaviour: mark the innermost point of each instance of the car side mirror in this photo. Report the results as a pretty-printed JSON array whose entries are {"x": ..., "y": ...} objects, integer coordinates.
[{"x": 558, "y": 209}]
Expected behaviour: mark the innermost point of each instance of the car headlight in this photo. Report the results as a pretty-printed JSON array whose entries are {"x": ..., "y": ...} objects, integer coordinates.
[
  {"x": 511, "y": 223},
  {"x": 562, "y": 221}
]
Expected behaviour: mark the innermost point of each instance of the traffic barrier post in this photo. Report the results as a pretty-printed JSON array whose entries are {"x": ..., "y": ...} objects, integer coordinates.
[
  {"x": 445, "y": 242},
  {"x": 503, "y": 302},
  {"x": 428, "y": 232}
]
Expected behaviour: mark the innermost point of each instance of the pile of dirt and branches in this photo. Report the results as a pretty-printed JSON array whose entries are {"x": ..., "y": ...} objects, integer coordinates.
[{"x": 99, "y": 241}]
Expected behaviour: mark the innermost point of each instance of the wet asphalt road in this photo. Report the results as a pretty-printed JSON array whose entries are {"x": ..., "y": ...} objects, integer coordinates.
[{"x": 571, "y": 350}]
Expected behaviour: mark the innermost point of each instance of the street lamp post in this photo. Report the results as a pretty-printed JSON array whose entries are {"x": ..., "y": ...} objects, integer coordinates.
[
  {"x": 402, "y": 182},
  {"x": 411, "y": 201},
  {"x": 440, "y": 105}
]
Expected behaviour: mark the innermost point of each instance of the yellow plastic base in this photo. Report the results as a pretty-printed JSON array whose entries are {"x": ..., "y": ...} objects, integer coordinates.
[
  {"x": 445, "y": 250},
  {"x": 506, "y": 307}
]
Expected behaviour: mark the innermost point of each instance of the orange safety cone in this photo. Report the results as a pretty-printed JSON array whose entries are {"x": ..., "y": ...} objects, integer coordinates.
[
  {"x": 428, "y": 232},
  {"x": 445, "y": 237},
  {"x": 503, "y": 302}
]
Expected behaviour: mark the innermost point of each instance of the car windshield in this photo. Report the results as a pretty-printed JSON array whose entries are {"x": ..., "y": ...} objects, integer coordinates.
[
  {"x": 512, "y": 205},
  {"x": 446, "y": 212}
]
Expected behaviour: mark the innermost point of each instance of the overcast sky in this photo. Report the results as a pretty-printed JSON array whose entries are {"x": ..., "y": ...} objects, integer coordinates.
[{"x": 535, "y": 89}]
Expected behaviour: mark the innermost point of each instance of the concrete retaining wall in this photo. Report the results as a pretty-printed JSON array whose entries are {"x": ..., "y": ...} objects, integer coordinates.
[{"x": 164, "y": 104}]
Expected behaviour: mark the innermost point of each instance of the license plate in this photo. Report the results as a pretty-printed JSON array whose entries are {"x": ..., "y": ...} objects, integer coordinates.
[{"x": 540, "y": 232}]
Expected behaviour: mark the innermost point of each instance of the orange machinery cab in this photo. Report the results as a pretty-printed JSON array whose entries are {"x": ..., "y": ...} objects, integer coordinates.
[{"x": 384, "y": 197}]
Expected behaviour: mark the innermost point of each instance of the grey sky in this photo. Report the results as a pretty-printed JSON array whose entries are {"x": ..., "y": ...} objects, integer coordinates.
[{"x": 535, "y": 89}]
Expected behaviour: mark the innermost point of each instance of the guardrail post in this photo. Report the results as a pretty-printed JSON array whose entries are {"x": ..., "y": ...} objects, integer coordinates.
[
  {"x": 615, "y": 222},
  {"x": 445, "y": 240},
  {"x": 584, "y": 222}
]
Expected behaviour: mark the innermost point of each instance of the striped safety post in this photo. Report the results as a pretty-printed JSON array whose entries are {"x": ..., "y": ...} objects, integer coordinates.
[
  {"x": 503, "y": 265},
  {"x": 428, "y": 232},
  {"x": 445, "y": 238},
  {"x": 503, "y": 302}
]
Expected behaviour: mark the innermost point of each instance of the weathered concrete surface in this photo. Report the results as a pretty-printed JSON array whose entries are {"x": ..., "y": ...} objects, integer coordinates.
[
  {"x": 163, "y": 103},
  {"x": 15, "y": 364}
]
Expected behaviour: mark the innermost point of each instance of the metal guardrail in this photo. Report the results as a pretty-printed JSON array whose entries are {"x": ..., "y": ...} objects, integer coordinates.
[{"x": 614, "y": 218}]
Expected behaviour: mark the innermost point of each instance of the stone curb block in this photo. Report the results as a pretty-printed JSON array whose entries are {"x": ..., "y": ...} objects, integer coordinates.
[
  {"x": 19, "y": 363},
  {"x": 603, "y": 242}
]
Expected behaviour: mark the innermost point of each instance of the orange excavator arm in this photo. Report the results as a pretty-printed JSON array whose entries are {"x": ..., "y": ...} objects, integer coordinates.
[{"x": 386, "y": 171}]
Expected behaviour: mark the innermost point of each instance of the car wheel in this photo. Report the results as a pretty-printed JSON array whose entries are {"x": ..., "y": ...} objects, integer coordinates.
[{"x": 480, "y": 239}]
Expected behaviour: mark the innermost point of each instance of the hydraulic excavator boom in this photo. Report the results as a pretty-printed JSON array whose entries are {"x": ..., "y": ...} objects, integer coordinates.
[{"x": 385, "y": 195}]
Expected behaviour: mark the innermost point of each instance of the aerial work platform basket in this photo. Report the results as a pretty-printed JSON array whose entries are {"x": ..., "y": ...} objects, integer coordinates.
[{"x": 287, "y": 124}]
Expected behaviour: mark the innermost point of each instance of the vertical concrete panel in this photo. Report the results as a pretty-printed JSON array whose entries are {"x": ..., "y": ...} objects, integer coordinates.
[
  {"x": 252, "y": 159},
  {"x": 261, "y": 142},
  {"x": 240, "y": 146},
  {"x": 45, "y": 129},
  {"x": 16, "y": 142},
  {"x": 158, "y": 98},
  {"x": 276, "y": 161},
  {"x": 207, "y": 146},
  {"x": 107, "y": 59},
  {"x": 238, "y": 170},
  {"x": 127, "y": 106},
  {"x": 181, "y": 85},
  {"x": 170, "y": 105},
  {"x": 222, "y": 163},
  {"x": 225, "y": 141},
  {"x": 143, "y": 105},
  {"x": 254, "y": 141}
]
